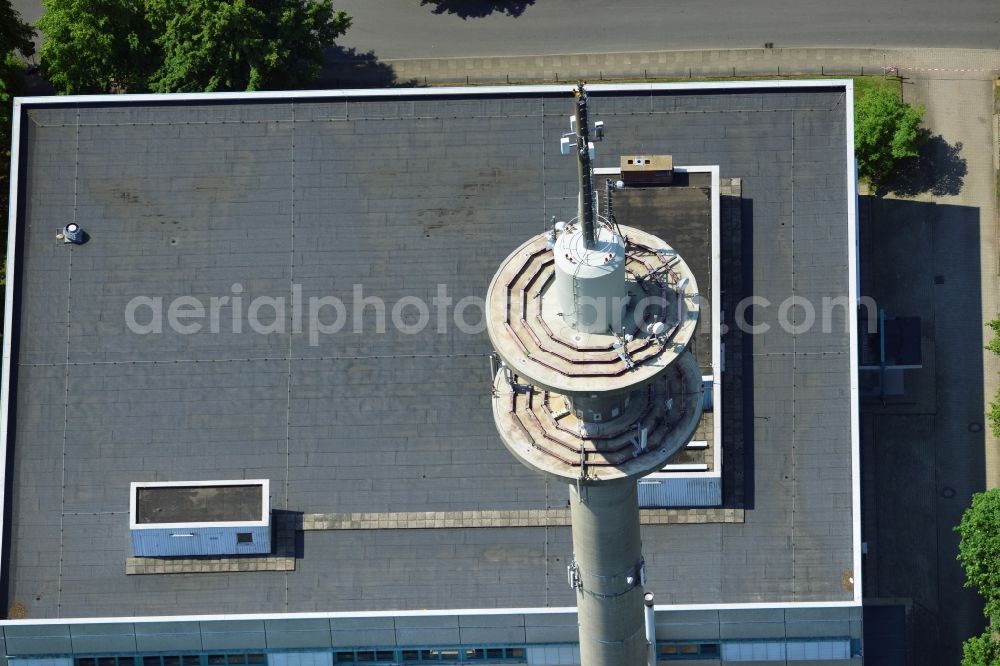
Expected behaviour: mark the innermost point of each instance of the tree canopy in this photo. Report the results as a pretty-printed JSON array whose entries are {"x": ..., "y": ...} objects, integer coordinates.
[
  {"x": 886, "y": 131},
  {"x": 994, "y": 346},
  {"x": 16, "y": 40},
  {"x": 96, "y": 46},
  {"x": 979, "y": 548},
  {"x": 979, "y": 553},
  {"x": 982, "y": 650},
  {"x": 186, "y": 45},
  {"x": 15, "y": 34}
]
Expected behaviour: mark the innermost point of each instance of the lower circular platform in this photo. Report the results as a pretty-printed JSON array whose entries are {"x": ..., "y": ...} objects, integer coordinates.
[{"x": 540, "y": 430}]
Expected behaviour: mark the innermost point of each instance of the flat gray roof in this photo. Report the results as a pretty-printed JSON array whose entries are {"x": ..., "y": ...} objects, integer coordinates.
[
  {"x": 681, "y": 212},
  {"x": 397, "y": 195}
]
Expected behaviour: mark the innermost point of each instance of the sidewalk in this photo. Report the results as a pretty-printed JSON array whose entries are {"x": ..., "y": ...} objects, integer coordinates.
[
  {"x": 964, "y": 254},
  {"x": 928, "y": 63}
]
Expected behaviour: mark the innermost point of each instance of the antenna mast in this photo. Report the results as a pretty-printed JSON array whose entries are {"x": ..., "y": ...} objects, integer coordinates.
[{"x": 586, "y": 212}]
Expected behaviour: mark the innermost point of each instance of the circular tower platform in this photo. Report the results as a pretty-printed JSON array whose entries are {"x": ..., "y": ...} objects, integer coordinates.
[
  {"x": 540, "y": 429},
  {"x": 595, "y": 403},
  {"x": 527, "y": 326}
]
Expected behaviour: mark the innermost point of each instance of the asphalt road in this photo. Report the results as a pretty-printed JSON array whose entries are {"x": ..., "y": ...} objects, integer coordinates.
[{"x": 409, "y": 29}]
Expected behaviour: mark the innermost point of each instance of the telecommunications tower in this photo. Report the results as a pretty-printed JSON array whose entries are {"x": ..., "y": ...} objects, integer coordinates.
[{"x": 596, "y": 387}]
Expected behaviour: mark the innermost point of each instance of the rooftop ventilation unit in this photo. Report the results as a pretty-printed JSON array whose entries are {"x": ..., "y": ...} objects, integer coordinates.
[
  {"x": 188, "y": 518},
  {"x": 71, "y": 233},
  {"x": 640, "y": 170}
]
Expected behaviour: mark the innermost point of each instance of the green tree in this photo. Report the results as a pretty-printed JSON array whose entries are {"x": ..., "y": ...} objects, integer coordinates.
[
  {"x": 11, "y": 85},
  {"x": 994, "y": 346},
  {"x": 981, "y": 650},
  {"x": 186, "y": 45},
  {"x": 242, "y": 44},
  {"x": 16, "y": 39},
  {"x": 979, "y": 548},
  {"x": 15, "y": 34},
  {"x": 94, "y": 46},
  {"x": 886, "y": 130}
]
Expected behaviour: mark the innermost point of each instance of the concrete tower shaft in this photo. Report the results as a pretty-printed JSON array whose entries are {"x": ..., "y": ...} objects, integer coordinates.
[{"x": 609, "y": 586}]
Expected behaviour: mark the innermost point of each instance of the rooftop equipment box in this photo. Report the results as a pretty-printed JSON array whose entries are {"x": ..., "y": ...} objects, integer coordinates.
[
  {"x": 647, "y": 169},
  {"x": 178, "y": 518}
]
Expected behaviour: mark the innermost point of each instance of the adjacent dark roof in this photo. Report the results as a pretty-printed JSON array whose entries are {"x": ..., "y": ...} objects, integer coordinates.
[{"x": 398, "y": 195}]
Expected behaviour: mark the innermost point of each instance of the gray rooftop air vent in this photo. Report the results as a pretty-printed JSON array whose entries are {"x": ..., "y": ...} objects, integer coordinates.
[{"x": 72, "y": 233}]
